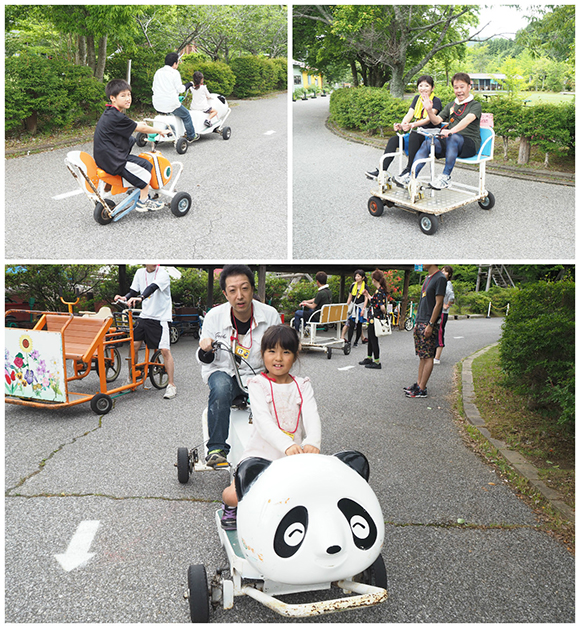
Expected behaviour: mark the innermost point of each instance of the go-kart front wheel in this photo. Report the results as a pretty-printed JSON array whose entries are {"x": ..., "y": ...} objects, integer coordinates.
[
  {"x": 101, "y": 403},
  {"x": 180, "y": 204},
  {"x": 488, "y": 202},
  {"x": 141, "y": 139},
  {"x": 376, "y": 206},
  {"x": 181, "y": 145},
  {"x": 226, "y": 132},
  {"x": 101, "y": 214},
  {"x": 428, "y": 223},
  {"x": 183, "y": 465},
  {"x": 198, "y": 594},
  {"x": 375, "y": 575}
]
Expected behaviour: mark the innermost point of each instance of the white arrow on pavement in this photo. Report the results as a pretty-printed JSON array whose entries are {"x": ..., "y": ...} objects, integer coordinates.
[{"x": 77, "y": 552}]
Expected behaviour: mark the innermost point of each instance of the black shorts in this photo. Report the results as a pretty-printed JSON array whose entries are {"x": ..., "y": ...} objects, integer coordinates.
[
  {"x": 149, "y": 330},
  {"x": 137, "y": 171}
]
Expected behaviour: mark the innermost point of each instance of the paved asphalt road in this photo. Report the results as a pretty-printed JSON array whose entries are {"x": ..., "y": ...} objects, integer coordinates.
[
  {"x": 330, "y": 217},
  {"x": 70, "y": 466},
  {"x": 239, "y": 189}
]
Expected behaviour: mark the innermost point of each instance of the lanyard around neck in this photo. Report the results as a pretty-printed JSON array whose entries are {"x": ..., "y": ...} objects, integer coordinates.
[{"x": 270, "y": 380}]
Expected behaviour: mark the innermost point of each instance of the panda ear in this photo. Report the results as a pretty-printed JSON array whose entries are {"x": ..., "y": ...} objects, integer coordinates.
[
  {"x": 357, "y": 461},
  {"x": 247, "y": 472}
]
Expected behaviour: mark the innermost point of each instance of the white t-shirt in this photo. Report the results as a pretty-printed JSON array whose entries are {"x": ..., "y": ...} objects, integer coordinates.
[
  {"x": 167, "y": 86},
  {"x": 200, "y": 98},
  {"x": 158, "y": 305}
]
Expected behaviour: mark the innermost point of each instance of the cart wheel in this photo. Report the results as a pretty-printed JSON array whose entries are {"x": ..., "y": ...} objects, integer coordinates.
[
  {"x": 328, "y": 353},
  {"x": 182, "y": 465},
  {"x": 198, "y": 594},
  {"x": 82, "y": 368},
  {"x": 428, "y": 223},
  {"x": 389, "y": 203},
  {"x": 157, "y": 372},
  {"x": 101, "y": 215},
  {"x": 488, "y": 202},
  {"x": 226, "y": 132},
  {"x": 173, "y": 334},
  {"x": 112, "y": 365},
  {"x": 195, "y": 334},
  {"x": 409, "y": 324},
  {"x": 141, "y": 139},
  {"x": 180, "y": 204},
  {"x": 346, "y": 348},
  {"x": 375, "y": 206},
  {"x": 181, "y": 145},
  {"x": 101, "y": 403},
  {"x": 375, "y": 575}
]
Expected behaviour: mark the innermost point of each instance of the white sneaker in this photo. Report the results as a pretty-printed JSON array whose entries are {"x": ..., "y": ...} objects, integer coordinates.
[
  {"x": 170, "y": 392},
  {"x": 402, "y": 180},
  {"x": 436, "y": 361},
  {"x": 442, "y": 182}
]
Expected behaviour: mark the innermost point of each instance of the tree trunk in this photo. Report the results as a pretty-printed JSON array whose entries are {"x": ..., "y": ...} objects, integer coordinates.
[
  {"x": 31, "y": 123},
  {"x": 546, "y": 164},
  {"x": 91, "y": 60},
  {"x": 354, "y": 73},
  {"x": 524, "y": 152},
  {"x": 101, "y": 59},
  {"x": 397, "y": 87},
  {"x": 505, "y": 148}
]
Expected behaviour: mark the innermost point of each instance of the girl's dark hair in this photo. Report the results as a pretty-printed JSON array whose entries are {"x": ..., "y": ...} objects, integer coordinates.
[
  {"x": 115, "y": 87},
  {"x": 449, "y": 272},
  {"x": 197, "y": 79},
  {"x": 379, "y": 275},
  {"x": 282, "y": 335},
  {"x": 427, "y": 78},
  {"x": 360, "y": 272}
]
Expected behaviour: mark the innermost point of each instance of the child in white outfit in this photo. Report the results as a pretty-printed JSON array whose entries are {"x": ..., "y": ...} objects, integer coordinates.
[
  {"x": 200, "y": 98},
  {"x": 285, "y": 416}
]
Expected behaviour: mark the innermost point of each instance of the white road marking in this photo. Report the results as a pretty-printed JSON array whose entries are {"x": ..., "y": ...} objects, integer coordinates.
[
  {"x": 269, "y": 132},
  {"x": 77, "y": 553},
  {"x": 66, "y": 195},
  {"x": 345, "y": 368}
]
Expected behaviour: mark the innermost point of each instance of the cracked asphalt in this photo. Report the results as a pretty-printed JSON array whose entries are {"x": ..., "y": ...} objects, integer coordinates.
[
  {"x": 64, "y": 467},
  {"x": 239, "y": 189}
]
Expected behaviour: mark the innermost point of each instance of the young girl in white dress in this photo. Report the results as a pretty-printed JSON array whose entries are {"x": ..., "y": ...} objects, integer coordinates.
[
  {"x": 285, "y": 416},
  {"x": 200, "y": 98}
]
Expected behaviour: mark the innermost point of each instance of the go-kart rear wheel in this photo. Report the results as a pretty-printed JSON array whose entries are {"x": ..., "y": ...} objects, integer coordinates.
[
  {"x": 101, "y": 214},
  {"x": 198, "y": 594},
  {"x": 157, "y": 373},
  {"x": 101, "y": 403},
  {"x": 328, "y": 353},
  {"x": 488, "y": 202},
  {"x": 183, "y": 465},
  {"x": 375, "y": 575},
  {"x": 173, "y": 334},
  {"x": 181, "y": 145},
  {"x": 180, "y": 204},
  {"x": 346, "y": 348},
  {"x": 226, "y": 132},
  {"x": 428, "y": 223},
  {"x": 141, "y": 139},
  {"x": 375, "y": 206}
]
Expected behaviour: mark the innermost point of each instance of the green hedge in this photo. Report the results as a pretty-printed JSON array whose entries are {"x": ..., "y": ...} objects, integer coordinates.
[
  {"x": 537, "y": 347},
  {"x": 144, "y": 63},
  {"x": 256, "y": 76},
  {"x": 50, "y": 93},
  {"x": 218, "y": 76}
]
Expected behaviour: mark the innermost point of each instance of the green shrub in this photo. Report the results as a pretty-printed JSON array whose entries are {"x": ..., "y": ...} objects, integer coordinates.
[
  {"x": 48, "y": 94},
  {"x": 281, "y": 65},
  {"x": 255, "y": 76},
  {"x": 547, "y": 126},
  {"x": 144, "y": 63},
  {"x": 218, "y": 76},
  {"x": 537, "y": 348}
]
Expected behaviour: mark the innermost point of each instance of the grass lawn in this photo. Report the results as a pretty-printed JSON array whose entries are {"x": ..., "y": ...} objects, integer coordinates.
[
  {"x": 534, "y": 433},
  {"x": 546, "y": 98}
]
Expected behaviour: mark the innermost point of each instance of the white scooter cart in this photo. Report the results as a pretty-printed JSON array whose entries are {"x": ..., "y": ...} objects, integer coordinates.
[
  {"x": 177, "y": 128},
  {"x": 305, "y": 523},
  {"x": 309, "y": 332},
  {"x": 425, "y": 201}
]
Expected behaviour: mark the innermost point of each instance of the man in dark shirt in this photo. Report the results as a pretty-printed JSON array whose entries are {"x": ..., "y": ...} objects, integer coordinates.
[
  {"x": 426, "y": 329},
  {"x": 323, "y": 296},
  {"x": 113, "y": 142}
]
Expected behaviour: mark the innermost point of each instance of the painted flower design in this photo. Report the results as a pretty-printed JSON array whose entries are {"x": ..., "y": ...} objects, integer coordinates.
[{"x": 26, "y": 343}]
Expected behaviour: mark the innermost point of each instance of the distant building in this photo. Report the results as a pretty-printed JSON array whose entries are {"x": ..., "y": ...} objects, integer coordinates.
[
  {"x": 487, "y": 82},
  {"x": 305, "y": 76}
]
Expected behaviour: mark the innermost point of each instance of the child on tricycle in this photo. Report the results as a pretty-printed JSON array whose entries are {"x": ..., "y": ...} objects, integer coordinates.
[{"x": 286, "y": 420}]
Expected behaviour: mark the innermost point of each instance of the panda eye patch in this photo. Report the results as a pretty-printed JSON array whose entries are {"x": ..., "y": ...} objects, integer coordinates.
[
  {"x": 362, "y": 526},
  {"x": 291, "y": 532}
]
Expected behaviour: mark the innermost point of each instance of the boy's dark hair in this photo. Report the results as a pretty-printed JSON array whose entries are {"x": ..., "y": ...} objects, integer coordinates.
[
  {"x": 321, "y": 277},
  {"x": 461, "y": 76},
  {"x": 171, "y": 58},
  {"x": 115, "y": 87},
  {"x": 236, "y": 269},
  {"x": 427, "y": 78},
  {"x": 449, "y": 272},
  {"x": 282, "y": 335}
]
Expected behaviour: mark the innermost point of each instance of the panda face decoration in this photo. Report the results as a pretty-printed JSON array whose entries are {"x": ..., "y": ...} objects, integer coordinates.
[{"x": 308, "y": 519}]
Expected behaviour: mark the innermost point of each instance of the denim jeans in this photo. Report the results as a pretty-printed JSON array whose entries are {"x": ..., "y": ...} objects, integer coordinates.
[
  {"x": 183, "y": 113},
  {"x": 453, "y": 146},
  {"x": 223, "y": 389}
]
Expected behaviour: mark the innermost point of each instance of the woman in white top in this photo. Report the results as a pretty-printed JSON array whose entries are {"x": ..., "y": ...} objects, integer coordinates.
[
  {"x": 285, "y": 416},
  {"x": 200, "y": 99}
]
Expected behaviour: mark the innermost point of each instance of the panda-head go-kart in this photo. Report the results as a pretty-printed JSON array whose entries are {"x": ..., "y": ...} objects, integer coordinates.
[{"x": 177, "y": 128}]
